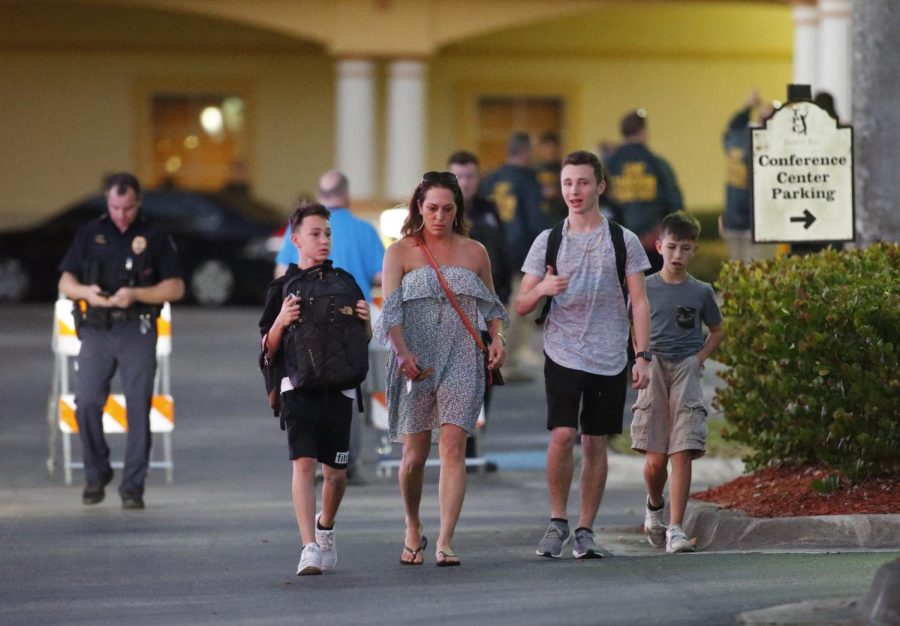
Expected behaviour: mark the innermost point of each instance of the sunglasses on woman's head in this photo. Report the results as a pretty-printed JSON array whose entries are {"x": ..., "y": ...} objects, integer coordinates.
[{"x": 444, "y": 178}]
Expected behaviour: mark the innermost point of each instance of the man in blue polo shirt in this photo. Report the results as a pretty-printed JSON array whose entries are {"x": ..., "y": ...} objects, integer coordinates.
[{"x": 356, "y": 246}]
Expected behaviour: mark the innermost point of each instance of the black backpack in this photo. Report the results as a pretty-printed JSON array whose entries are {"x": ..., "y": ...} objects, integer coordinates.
[
  {"x": 327, "y": 348},
  {"x": 555, "y": 240}
]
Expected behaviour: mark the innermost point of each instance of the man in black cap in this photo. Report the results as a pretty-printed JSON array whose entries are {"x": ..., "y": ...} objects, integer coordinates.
[{"x": 120, "y": 269}]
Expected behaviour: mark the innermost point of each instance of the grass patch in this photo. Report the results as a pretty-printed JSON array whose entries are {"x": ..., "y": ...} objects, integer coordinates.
[{"x": 716, "y": 444}]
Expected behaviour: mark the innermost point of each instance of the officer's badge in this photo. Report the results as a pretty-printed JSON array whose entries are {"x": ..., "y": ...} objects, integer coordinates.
[
  {"x": 100, "y": 239},
  {"x": 138, "y": 244}
]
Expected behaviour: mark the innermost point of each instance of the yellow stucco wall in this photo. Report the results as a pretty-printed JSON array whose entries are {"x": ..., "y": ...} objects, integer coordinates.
[
  {"x": 70, "y": 78},
  {"x": 690, "y": 65},
  {"x": 74, "y": 117}
]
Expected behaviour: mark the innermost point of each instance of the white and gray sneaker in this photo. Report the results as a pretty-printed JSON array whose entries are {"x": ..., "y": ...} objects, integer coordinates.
[
  {"x": 325, "y": 541},
  {"x": 584, "y": 546},
  {"x": 554, "y": 539},
  {"x": 655, "y": 526},
  {"x": 310, "y": 560},
  {"x": 677, "y": 541}
]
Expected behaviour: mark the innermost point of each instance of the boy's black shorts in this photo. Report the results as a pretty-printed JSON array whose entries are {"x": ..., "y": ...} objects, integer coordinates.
[
  {"x": 318, "y": 425},
  {"x": 601, "y": 398}
]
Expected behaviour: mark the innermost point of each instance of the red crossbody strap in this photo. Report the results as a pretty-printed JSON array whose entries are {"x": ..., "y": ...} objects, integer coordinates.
[{"x": 465, "y": 320}]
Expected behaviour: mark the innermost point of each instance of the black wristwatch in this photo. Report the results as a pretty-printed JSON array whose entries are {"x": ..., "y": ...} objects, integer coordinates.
[{"x": 645, "y": 354}]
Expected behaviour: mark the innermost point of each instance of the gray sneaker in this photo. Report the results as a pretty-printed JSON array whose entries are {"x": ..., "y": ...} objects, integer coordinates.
[
  {"x": 677, "y": 541},
  {"x": 554, "y": 539},
  {"x": 584, "y": 546},
  {"x": 310, "y": 560},
  {"x": 655, "y": 526}
]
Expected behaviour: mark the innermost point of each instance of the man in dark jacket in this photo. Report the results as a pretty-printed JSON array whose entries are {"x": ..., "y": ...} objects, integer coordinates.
[
  {"x": 734, "y": 225},
  {"x": 548, "y": 167},
  {"x": 486, "y": 227},
  {"x": 642, "y": 185},
  {"x": 515, "y": 189}
]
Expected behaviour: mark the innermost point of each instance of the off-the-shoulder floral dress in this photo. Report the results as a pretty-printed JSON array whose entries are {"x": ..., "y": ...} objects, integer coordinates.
[{"x": 437, "y": 337}]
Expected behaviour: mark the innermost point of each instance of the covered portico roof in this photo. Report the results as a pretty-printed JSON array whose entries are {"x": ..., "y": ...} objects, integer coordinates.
[{"x": 381, "y": 28}]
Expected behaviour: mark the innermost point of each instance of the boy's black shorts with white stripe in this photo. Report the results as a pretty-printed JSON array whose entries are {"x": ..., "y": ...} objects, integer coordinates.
[{"x": 318, "y": 425}]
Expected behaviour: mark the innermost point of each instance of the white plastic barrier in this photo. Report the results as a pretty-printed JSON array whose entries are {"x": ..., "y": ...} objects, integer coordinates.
[{"x": 61, "y": 404}]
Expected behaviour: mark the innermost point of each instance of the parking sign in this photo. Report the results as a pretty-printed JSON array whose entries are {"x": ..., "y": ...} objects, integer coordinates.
[{"x": 803, "y": 177}]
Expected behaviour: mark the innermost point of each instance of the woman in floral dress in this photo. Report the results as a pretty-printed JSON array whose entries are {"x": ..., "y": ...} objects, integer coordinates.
[{"x": 435, "y": 372}]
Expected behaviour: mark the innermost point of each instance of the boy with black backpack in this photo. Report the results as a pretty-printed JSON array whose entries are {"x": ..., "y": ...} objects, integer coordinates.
[{"x": 315, "y": 331}]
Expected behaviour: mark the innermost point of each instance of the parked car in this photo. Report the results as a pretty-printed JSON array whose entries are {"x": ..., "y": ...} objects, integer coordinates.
[{"x": 227, "y": 244}]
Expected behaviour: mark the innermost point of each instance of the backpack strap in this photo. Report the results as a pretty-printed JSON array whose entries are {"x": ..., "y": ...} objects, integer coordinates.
[
  {"x": 554, "y": 241},
  {"x": 618, "y": 240}
]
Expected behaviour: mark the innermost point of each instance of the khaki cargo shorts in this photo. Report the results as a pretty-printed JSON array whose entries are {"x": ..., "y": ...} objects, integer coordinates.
[{"x": 669, "y": 415}]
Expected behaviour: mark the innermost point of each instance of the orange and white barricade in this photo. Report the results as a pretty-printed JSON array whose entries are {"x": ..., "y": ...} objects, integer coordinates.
[{"x": 61, "y": 404}]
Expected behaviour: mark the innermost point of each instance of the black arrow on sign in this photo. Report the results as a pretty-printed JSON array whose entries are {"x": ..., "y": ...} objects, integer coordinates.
[{"x": 807, "y": 217}]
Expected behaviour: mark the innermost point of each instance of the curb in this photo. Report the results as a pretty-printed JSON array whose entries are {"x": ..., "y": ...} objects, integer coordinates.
[
  {"x": 718, "y": 529},
  {"x": 879, "y": 607}
]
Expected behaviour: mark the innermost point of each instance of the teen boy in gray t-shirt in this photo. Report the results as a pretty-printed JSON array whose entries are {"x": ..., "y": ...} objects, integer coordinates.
[
  {"x": 585, "y": 339},
  {"x": 669, "y": 416}
]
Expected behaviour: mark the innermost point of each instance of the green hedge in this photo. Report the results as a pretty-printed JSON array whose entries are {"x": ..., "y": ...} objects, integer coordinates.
[{"x": 812, "y": 343}]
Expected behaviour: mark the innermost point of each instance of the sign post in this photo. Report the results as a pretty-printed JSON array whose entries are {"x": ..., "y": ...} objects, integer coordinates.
[{"x": 803, "y": 175}]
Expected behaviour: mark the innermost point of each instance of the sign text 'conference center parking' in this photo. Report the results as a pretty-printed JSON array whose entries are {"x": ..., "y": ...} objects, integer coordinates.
[{"x": 802, "y": 176}]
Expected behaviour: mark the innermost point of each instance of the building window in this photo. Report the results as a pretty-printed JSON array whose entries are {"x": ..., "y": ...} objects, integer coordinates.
[
  {"x": 199, "y": 140},
  {"x": 500, "y": 116}
]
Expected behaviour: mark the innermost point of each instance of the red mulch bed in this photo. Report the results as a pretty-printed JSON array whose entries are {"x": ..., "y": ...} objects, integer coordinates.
[{"x": 787, "y": 492}]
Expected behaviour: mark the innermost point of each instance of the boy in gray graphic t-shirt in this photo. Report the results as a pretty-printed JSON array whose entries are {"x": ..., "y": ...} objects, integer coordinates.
[{"x": 669, "y": 416}]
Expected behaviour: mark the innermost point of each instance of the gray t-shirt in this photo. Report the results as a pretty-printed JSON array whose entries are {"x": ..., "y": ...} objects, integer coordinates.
[
  {"x": 676, "y": 311},
  {"x": 587, "y": 328}
]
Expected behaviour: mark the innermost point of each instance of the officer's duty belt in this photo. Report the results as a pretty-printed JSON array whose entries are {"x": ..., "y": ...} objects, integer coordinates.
[{"x": 121, "y": 315}]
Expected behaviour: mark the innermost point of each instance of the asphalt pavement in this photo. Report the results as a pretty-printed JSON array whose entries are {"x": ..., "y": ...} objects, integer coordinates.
[{"x": 219, "y": 545}]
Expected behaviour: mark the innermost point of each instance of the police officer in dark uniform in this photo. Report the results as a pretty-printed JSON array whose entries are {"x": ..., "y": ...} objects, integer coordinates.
[
  {"x": 735, "y": 221},
  {"x": 119, "y": 270},
  {"x": 548, "y": 168},
  {"x": 642, "y": 188},
  {"x": 487, "y": 229},
  {"x": 515, "y": 190}
]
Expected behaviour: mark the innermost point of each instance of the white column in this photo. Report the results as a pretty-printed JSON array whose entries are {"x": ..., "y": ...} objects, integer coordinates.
[
  {"x": 835, "y": 21},
  {"x": 355, "y": 125},
  {"x": 806, "y": 36},
  {"x": 405, "y": 127}
]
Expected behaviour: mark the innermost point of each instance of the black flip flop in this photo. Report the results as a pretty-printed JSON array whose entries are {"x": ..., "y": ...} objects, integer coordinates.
[{"x": 415, "y": 552}]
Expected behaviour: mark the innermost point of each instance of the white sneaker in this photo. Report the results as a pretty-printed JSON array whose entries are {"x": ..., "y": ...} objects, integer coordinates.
[
  {"x": 310, "y": 560},
  {"x": 327, "y": 549},
  {"x": 677, "y": 541},
  {"x": 655, "y": 526}
]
